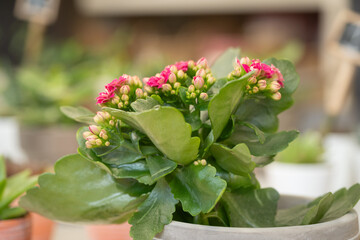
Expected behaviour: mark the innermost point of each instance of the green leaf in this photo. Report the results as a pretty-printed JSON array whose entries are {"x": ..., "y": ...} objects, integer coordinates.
[
  {"x": 255, "y": 208},
  {"x": 224, "y": 64},
  {"x": 344, "y": 201},
  {"x": 141, "y": 105},
  {"x": 2, "y": 175},
  {"x": 79, "y": 191},
  {"x": 155, "y": 212},
  {"x": 274, "y": 142},
  {"x": 10, "y": 213},
  {"x": 138, "y": 170},
  {"x": 305, "y": 214},
  {"x": 194, "y": 120},
  {"x": 236, "y": 160},
  {"x": 16, "y": 185},
  {"x": 197, "y": 188},
  {"x": 160, "y": 166},
  {"x": 223, "y": 104},
  {"x": 79, "y": 114},
  {"x": 166, "y": 128}
]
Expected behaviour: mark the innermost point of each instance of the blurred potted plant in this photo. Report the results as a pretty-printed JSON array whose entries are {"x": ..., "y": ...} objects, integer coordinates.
[
  {"x": 178, "y": 150},
  {"x": 300, "y": 169},
  {"x": 15, "y": 222}
]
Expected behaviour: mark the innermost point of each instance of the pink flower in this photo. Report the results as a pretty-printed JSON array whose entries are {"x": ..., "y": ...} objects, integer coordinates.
[
  {"x": 156, "y": 81},
  {"x": 116, "y": 83},
  {"x": 104, "y": 97},
  {"x": 182, "y": 66},
  {"x": 202, "y": 62},
  {"x": 246, "y": 68}
]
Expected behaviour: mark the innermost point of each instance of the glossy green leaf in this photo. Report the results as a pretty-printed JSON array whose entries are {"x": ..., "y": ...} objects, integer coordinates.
[
  {"x": 159, "y": 166},
  {"x": 79, "y": 114},
  {"x": 223, "y": 104},
  {"x": 254, "y": 208},
  {"x": 197, "y": 188},
  {"x": 79, "y": 191},
  {"x": 141, "y": 105},
  {"x": 166, "y": 128},
  {"x": 194, "y": 120},
  {"x": 155, "y": 212},
  {"x": 16, "y": 185},
  {"x": 236, "y": 160},
  {"x": 274, "y": 142},
  {"x": 138, "y": 170},
  {"x": 10, "y": 213},
  {"x": 305, "y": 214},
  {"x": 2, "y": 175},
  {"x": 344, "y": 201},
  {"x": 225, "y": 63}
]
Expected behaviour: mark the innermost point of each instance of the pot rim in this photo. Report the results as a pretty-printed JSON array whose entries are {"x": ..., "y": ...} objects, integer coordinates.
[{"x": 351, "y": 215}]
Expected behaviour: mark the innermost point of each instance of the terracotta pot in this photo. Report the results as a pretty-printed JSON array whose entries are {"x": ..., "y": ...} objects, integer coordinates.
[
  {"x": 42, "y": 228},
  {"x": 344, "y": 228},
  {"x": 110, "y": 232},
  {"x": 16, "y": 229}
]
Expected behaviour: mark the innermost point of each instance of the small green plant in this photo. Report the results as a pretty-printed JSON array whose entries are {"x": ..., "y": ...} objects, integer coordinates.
[
  {"x": 307, "y": 148},
  {"x": 183, "y": 145},
  {"x": 10, "y": 189}
]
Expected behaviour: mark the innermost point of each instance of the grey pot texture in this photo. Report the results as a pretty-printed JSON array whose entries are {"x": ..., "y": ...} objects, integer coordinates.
[{"x": 343, "y": 228}]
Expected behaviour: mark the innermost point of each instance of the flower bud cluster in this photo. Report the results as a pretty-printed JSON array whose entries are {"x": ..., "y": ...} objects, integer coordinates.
[
  {"x": 103, "y": 118},
  {"x": 97, "y": 136},
  {"x": 195, "y": 77},
  {"x": 121, "y": 92},
  {"x": 266, "y": 80},
  {"x": 202, "y": 162}
]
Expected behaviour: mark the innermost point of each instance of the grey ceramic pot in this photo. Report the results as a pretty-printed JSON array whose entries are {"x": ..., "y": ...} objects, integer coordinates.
[{"x": 343, "y": 228}]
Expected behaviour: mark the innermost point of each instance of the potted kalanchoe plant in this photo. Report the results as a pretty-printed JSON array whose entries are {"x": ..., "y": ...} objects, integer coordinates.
[{"x": 181, "y": 147}]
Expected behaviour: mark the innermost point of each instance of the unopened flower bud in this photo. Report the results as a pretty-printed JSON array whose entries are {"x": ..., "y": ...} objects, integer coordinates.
[
  {"x": 255, "y": 89},
  {"x": 191, "y": 64},
  {"x": 198, "y": 82},
  {"x": 203, "y": 162},
  {"x": 196, "y": 163},
  {"x": 201, "y": 72},
  {"x": 125, "y": 89},
  {"x": 236, "y": 73},
  {"x": 276, "y": 96},
  {"x": 245, "y": 60},
  {"x": 202, "y": 62},
  {"x": 172, "y": 77},
  {"x": 177, "y": 85},
  {"x": 125, "y": 97},
  {"x": 166, "y": 87},
  {"x": 88, "y": 144},
  {"x": 137, "y": 81},
  {"x": 262, "y": 84},
  {"x": 204, "y": 96},
  {"x": 86, "y": 134},
  {"x": 191, "y": 88},
  {"x": 275, "y": 86},
  {"x": 98, "y": 142},
  {"x": 252, "y": 80},
  {"x": 115, "y": 99},
  {"x": 173, "y": 92},
  {"x": 126, "y": 103},
  {"x": 148, "y": 89},
  {"x": 107, "y": 143},
  {"x": 120, "y": 105},
  {"x": 173, "y": 69},
  {"x": 139, "y": 93},
  {"x": 103, "y": 134},
  {"x": 193, "y": 95},
  {"x": 112, "y": 123},
  {"x": 211, "y": 80},
  {"x": 94, "y": 129},
  {"x": 181, "y": 74}
]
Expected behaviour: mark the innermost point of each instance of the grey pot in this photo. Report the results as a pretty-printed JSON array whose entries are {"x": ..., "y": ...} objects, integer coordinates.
[{"x": 343, "y": 228}]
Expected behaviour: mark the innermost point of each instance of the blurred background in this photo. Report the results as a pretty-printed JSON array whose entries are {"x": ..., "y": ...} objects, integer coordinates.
[{"x": 55, "y": 53}]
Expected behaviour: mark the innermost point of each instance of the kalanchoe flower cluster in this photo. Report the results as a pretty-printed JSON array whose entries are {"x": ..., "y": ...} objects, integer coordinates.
[
  {"x": 97, "y": 136},
  {"x": 266, "y": 79},
  {"x": 121, "y": 92},
  {"x": 195, "y": 77}
]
